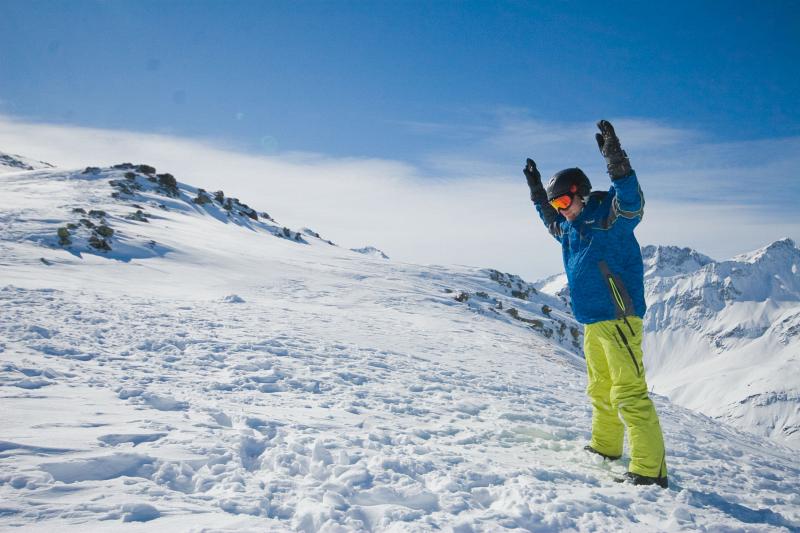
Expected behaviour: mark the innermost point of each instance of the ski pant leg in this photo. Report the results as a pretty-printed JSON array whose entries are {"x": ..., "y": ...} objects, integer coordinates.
[
  {"x": 629, "y": 396},
  {"x": 607, "y": 429}
]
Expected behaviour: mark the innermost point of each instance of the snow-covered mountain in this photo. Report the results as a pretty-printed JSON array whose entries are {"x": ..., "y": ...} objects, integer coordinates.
[
  {"x": 174, "y": 360},
  {"x": 723, "y": 338},
  {"x": 666, "y": 261}
]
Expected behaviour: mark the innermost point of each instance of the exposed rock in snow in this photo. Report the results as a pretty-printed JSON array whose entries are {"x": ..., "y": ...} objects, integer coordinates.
[
  {"x": 16, "y": 163},
  {"x": 370, "y": 251},
  {"x": 104, "y": 209}
]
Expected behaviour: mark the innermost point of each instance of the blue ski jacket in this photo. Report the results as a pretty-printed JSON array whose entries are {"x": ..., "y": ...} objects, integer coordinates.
[{"x": 602, "y": 257}]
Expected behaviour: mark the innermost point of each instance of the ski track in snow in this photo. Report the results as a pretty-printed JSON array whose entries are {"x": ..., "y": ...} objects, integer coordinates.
[{"x": 244, "y": 382}]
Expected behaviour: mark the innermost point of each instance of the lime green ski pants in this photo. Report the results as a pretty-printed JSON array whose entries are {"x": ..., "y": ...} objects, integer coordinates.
[{"x": 618, "y": 390}]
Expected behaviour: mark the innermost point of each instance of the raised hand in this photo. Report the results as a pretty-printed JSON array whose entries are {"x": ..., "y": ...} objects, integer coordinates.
[
  {"x": 534, "y": 182},
  {"x": 617, "y": 161}
]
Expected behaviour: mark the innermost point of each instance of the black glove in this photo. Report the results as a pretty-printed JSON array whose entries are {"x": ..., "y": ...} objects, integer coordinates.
[
  {"x": 617, "y": 161},
  {"x": 538, "y": 195}
]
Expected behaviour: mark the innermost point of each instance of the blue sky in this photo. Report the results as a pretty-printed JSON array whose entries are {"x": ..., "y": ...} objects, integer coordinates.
[
  {"x": 344, "y": 77},
  {"x": 704, "y": 94}
]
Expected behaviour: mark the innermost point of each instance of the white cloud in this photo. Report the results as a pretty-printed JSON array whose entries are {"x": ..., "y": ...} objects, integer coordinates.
[{"x": 473, "y": 210}]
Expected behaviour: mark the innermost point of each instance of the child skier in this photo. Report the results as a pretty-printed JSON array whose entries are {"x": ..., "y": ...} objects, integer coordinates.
[{"x": 605, "y": 273}]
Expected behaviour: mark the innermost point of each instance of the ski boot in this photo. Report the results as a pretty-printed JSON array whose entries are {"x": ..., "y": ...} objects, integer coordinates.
[
  {"x": 638, "y": 479},
  {"x": 589, "y": 449}
]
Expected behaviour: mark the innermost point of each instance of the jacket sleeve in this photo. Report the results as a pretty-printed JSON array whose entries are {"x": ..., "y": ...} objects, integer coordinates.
[
  {"x": 627, "y": 207},
  {"x": 552, "y": 219}
]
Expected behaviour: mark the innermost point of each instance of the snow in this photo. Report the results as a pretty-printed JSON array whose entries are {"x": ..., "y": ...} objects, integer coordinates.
[{"x": 239, "y": 376}]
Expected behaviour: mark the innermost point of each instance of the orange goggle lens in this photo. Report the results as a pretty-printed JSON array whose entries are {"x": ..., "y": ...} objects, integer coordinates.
[{"x": 562, "y": 202}]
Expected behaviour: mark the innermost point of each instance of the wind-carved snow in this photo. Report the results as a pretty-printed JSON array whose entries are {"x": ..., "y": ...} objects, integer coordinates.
[{"x": 340, "y": 394}]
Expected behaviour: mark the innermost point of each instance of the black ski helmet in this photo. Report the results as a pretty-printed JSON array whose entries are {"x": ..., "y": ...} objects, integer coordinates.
[{"x": 568, "y": 181}]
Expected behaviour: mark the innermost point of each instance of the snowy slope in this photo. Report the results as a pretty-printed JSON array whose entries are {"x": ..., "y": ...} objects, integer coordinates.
[
  {"x": 215, "y": 371},
  {"x": 16, "y": 163}
]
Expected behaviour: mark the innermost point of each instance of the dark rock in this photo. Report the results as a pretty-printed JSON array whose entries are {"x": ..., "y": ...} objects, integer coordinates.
[
  {"x": 99, "y": 243},
  {"x": 98, "y": 213},
  {"x": 168, "y": 184},
  {"x": 139, "y": 215},
  {"x": 91, "y": 170},
  {"x": 79, "y": 210},
  {"x": 63, "y": 236},
  {"x": 546, "y": 309},
  {"x": 202, "y": 197},
  {"x": 124, "y": 166},
  {"x": 219, "y": 196},
  {"x": 462, "y": 296},
  {"x": 130, "y": 175},
  {"x": 86, "y": 222},
  {"x": 522, "y": 295},
  {"x": 146, "y": 169},
  {"x": 104, "y": 231},
  {"x": 167, "y": 180},
  {"x": 250, "y": 213},
  {"x": 124, "y": 187}
]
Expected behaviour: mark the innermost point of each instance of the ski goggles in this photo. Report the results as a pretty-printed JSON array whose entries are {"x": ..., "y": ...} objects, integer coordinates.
[{"x": 563, "y": 201}]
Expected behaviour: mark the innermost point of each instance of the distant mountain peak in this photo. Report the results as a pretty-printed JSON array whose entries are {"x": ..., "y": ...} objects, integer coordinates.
[
  {"x": 778, "y": 250},
  {"x": 666, "y": 261}
]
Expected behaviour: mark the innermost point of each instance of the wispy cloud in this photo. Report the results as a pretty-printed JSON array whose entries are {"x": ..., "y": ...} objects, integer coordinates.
[
  {"x": 677, "y": 163},
  {"x": 467, "y": 204}
]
